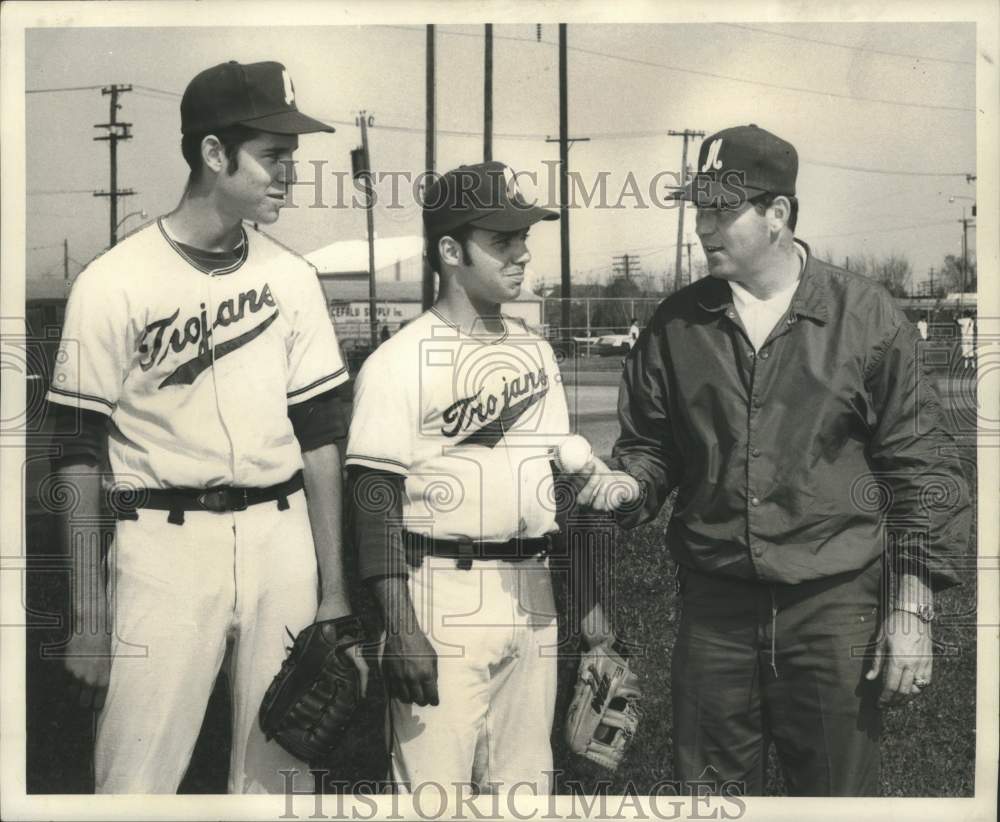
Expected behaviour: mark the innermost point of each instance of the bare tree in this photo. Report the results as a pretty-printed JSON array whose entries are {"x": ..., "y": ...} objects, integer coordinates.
[{"x": 892, "y": 272}]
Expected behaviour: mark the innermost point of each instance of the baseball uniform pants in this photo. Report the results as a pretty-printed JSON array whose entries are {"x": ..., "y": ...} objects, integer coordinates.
[
  {"x": 494, "y": 630},
  {"x": 180, "y": 595},
  {"x": 755, "y": 663}
]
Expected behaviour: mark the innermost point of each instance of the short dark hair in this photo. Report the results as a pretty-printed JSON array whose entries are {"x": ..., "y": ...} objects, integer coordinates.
[
  {"x": 231, "y": 137},
  {"x": 764, "y": 201},
  {"x": 460, "y": 235}
]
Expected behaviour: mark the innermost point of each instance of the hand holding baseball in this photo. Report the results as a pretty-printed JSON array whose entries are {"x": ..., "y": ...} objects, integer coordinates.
[
  {"x": 573, "y": 455},
  {"x": 607, "y": 490}
]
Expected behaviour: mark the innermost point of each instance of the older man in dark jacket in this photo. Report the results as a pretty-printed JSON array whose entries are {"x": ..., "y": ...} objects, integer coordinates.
[{"x": 819, "y": 502}]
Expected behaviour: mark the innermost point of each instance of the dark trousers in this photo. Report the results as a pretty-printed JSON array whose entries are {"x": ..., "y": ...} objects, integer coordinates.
[{"x": 756, "y": 663}]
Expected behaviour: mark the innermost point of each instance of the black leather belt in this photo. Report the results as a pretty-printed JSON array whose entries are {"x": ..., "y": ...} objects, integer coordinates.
[
  {"x": 219, "y": 499},
  {"x": 465, "y": 552}
]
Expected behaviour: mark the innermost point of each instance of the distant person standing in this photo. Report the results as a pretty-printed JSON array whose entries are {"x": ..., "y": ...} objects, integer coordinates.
[
  {"x": 922, "y": 328},
  {"x": 967, "y": 334},
  {"x": 633, "y": 333}
]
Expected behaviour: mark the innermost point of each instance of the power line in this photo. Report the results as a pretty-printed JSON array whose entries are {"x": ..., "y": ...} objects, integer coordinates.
[
  {"x": 600, "y": 135},
  {"x": 380, "y": 126},
  {"x": 62, "y": 191},
  {"x": 797, "y": 89},
  {"x": 851, "y": 48},
  {"x": 158, "y": 90},
  {"x": 64, "y": 88},
  {"x": 883, "y": 230},
  {"x": 606, "y": 135},
  {"x": 727, "y": 77},
  {"x": 885, "y": 171}
]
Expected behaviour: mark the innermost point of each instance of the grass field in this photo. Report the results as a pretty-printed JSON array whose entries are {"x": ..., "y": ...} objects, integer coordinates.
[{"x": 928, "y": 746}]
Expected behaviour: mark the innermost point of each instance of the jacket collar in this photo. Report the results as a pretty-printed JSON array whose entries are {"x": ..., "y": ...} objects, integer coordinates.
[{"x": 809, "y": 299}]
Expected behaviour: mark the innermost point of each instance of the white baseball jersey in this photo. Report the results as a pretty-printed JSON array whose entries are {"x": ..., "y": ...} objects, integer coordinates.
[
  {"x": 966, "y": 326},
  {"x": 470, "y": 424},
  {"x": 197, "y": 371}
]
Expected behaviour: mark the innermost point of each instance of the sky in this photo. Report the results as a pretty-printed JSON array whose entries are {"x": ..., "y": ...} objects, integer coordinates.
[{"x": 883, "y": 116}]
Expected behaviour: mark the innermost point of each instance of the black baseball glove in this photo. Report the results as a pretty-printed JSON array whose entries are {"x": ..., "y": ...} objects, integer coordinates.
[{"x": 316, "y": 692}]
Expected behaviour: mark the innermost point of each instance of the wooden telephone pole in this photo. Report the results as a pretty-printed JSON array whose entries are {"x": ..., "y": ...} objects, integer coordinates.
[{"x": 116, "y": 131}]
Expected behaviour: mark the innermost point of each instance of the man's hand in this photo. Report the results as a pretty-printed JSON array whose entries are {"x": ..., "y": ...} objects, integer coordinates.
[
  {"x": 88, "y": 660},
  {"x": 595, "y": 629},
  {"x": 409, "y": 666},
  {"x": 334, "y": 607},
  {"x": 904, "y": 657},
  {"x": 607, "y": 490}
]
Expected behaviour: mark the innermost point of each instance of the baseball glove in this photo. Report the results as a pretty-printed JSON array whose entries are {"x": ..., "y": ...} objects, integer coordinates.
[
  {"x": 605, "y": 710},
  {"x": 314, "y": 695}
]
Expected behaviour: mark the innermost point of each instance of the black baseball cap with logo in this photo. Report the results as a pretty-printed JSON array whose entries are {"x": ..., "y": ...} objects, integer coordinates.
[
  {"x": 258, "y": 95},
  {"x": 737, "y": 164},
  {"x": 484, "y": 195}
]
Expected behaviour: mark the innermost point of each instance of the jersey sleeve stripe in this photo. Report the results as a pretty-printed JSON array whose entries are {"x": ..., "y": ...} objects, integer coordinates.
[
  {"x": 378, "y": 463},
  {"x": 61, "y": 396},
  {"x": 336, "y": 378}
]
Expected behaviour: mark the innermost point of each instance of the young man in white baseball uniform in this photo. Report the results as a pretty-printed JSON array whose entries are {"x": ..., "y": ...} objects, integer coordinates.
[
  {"x": 453, "y": 506},
  {"x": 967, "y": 339},
  {"x": 199, "y": 360}
]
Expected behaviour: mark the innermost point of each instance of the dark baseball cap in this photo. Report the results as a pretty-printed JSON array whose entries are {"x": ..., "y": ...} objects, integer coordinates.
[
  {"x": 259, "y": 95},
  {"x": 739, "y": 163},
  {"x": 484, "y": 195}
]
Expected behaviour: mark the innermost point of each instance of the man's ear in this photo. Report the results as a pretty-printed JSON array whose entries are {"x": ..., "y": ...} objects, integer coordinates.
[
  {"x": 213, "y": 155},
  {"x": 450, "y": 251},
  {"x": 778, "y": 213}
]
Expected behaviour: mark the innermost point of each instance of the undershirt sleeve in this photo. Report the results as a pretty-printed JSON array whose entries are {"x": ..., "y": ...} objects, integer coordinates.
[
  {"x": 80, "y": 435},
  {"x": 319, "y": 420},
  {"x": 375, "y": 509}
]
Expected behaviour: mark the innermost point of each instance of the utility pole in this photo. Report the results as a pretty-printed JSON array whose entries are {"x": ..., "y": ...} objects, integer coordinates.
[
  {"x": 686, "y": 134},
  {"x": 564, "y": 183},
  {"x": 965, "y": 257},
  {"x": 627, "y": 265},
  {"x": 427, "y": 290},
  {"x": 565, "y": 141},
  {"x": 362, "y": 167},
  {"x": 488, "y": 96},
  {"x": 65, "y": 259},
  {"x": 932, "y": 281},
  {"x": 116, "y": 131},
  {"x": 564, "y": 144},
  {"x": 689, "y": 260}
]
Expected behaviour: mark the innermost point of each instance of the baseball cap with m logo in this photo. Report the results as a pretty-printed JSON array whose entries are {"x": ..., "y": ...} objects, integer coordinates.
[
  {"x": 258, "y": 95},
  {"x": 739, "y": 163}
]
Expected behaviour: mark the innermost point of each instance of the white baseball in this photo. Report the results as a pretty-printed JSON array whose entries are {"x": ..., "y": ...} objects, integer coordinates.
[{"x": 572, "y": 454}]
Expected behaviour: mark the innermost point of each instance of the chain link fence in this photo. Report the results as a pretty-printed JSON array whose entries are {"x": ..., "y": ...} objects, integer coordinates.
[{"x": 591, "y": 318}]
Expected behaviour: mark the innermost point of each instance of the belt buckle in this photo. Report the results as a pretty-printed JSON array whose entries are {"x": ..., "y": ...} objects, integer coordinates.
[{"x": 213, "y": 499}]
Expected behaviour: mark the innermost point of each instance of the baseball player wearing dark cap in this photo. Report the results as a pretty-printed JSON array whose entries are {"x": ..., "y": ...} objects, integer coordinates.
[
  {"x": 449, "y": 460},
  {"x": 200, "y": 359},
  {"x": 818, "y": 508}
]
